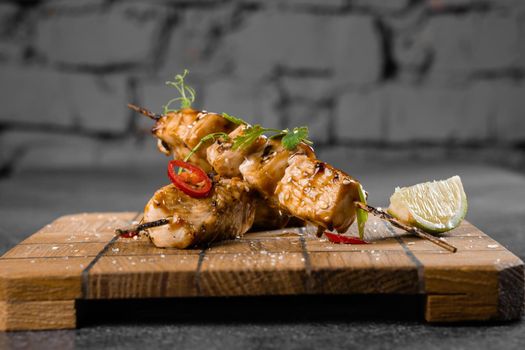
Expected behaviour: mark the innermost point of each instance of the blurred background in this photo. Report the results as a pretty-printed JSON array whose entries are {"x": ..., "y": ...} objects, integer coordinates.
[{"x": 395, "y": 92}]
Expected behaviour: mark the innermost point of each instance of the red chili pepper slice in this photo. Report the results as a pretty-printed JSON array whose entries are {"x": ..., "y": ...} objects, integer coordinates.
[
  {"x": 194, "y": 181},
  {"x": 334, "y": 238},
  {"x": 128, "y": 234}
]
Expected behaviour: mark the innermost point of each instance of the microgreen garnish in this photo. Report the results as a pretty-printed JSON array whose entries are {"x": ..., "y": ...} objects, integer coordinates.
[
  {"x": 234, "y": 120},
  {"x": 214, "y": 136},
  {"x": 187, "y": 93},
  {"x": 290, "y": 138},
  {"x": 361, "y": 214},
  {"x": 294, "y": 137},
  {"x": 249, "y": 135}
]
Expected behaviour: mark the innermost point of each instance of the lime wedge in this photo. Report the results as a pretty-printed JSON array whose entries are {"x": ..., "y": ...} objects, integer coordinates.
[{"x": 436, "y": 206}]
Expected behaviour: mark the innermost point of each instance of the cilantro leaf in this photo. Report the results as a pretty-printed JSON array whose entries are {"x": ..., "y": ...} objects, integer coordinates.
[
  {"x": 248, "y": 137},
  {"x": 292, "y": 139},
  {"x": 234, "y": 120}
]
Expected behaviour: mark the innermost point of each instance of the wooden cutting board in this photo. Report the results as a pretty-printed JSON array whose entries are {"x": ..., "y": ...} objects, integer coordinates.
[{"x": 79, "y": 257}]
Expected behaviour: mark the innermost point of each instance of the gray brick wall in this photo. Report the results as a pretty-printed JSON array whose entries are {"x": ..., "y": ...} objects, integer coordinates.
[{"x": 363, "y": 74}]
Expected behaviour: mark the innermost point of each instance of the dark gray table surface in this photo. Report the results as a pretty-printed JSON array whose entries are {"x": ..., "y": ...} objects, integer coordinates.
[{"x": 31, "y": 199}]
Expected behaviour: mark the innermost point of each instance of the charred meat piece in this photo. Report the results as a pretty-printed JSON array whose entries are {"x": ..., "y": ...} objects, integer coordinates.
[
  {"x": 268, "y": 217},
  {"x": 227, "y": 213},
  {"x": 225, "y": 160},
  {"x": 180, "y": 131},
  {"x": 263, "y": 170},
  {"x": 318, "y": 193}
]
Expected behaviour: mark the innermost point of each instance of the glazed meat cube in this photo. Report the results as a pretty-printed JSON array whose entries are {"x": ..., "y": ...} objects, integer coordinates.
[
  {"x": 263, "y": 170},
  {"x": 268, "y": 217},
  {"x": 316, "y": 192},
  {"x": 225, "y": 160},
  {"x": 179, "y": 132},
  {"x": 226, "y": 213}
]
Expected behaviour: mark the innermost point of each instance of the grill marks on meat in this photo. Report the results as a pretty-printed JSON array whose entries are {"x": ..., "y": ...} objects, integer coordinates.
[
  {"x": 227, "y": 213},
  {"x": 181, "y": 131},
  {"x": 319, "y": 193},
  {"x": 264, "y": 169}
]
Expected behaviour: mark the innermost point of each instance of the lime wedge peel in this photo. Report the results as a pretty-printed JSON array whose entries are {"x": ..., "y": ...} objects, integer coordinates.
[{"x": 435, "y": 207}]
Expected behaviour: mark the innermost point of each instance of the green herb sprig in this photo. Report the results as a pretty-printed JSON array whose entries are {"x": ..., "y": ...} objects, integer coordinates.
[
  {"x": 290, "y": 138},
  {"x": 187, "y": 93},
  {"x": 234, "y": 120},
  {"x": 362, "y": 215},
  {"x": 214, "y": 136}
]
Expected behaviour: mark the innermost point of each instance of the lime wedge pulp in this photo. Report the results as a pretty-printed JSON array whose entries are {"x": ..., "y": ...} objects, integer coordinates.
[{"x": 436, "y": 206}]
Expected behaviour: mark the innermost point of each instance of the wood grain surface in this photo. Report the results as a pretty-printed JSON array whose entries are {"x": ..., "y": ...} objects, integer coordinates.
[{"x": 79, "y": 257}]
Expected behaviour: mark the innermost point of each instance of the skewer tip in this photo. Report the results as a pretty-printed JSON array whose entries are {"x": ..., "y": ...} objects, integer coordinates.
[{"x": 144, "y": 112}]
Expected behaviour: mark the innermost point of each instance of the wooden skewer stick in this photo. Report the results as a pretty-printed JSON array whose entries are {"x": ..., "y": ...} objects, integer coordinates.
[
  {"x": 374, "y": 211},
  {"x": 141, "y": 227},
  {"x": 418, "y": 232},
  {"x": 144, "y": 111}
]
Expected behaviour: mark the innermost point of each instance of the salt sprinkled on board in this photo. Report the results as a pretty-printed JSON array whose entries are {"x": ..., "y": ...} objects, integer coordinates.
[
  {"x": 54, "y": 248},
  {"x": 492, "y": 246}
]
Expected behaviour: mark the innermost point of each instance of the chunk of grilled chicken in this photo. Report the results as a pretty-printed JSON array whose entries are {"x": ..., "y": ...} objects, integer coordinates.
[
  {"x": 225, "y": 160},
  {"x": 180, "y": 131},
  {"x": 226, "y": 213},
  {"x": 268, "y": 217},
  {"x": 264, "y": 169},
  {"x": 318, "y": 193}
]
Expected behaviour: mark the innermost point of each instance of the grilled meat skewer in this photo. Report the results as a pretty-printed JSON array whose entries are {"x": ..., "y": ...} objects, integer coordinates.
[
  {"x": 226, "y": 213},
  {"x": 263, "y": 165},
  {"x": 179, "y": 132}
]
